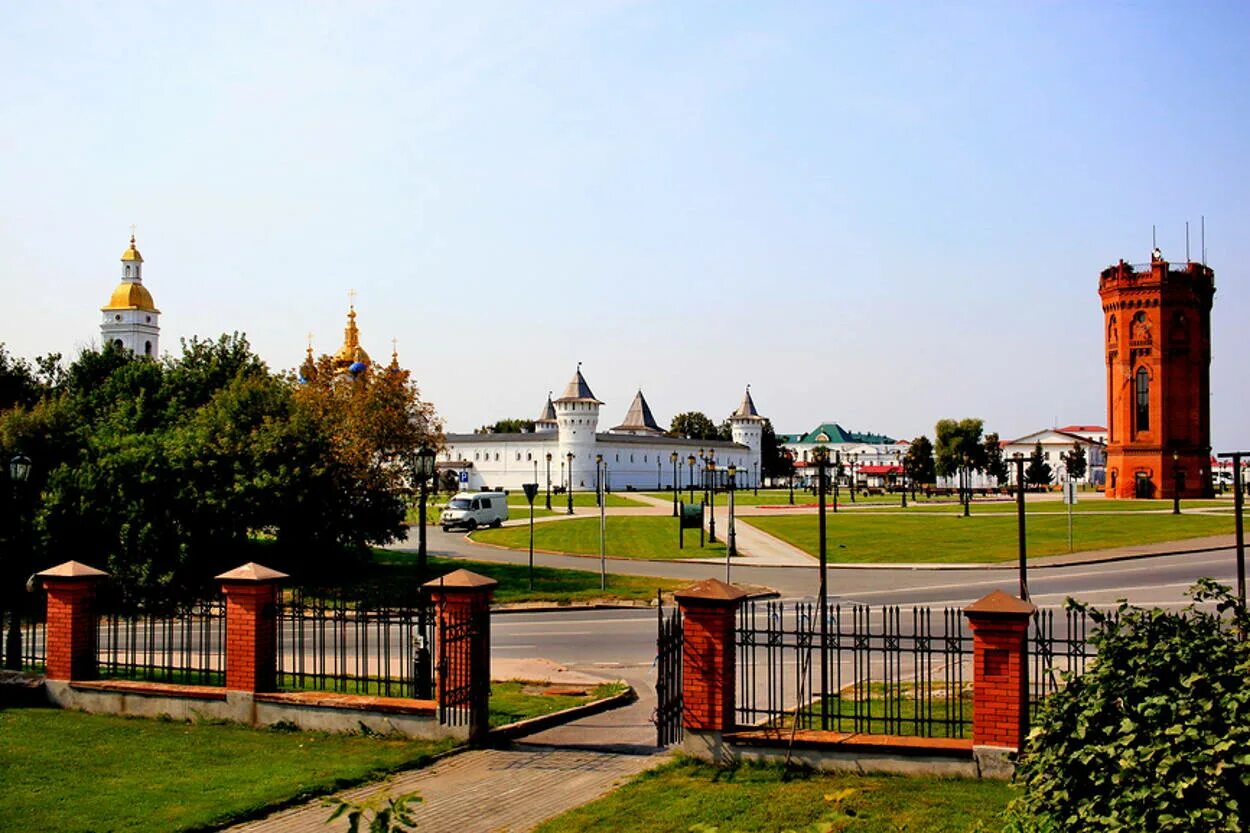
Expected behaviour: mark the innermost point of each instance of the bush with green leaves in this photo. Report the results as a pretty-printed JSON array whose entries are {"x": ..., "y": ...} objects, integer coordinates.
[{"x": 1156, "y": 734}]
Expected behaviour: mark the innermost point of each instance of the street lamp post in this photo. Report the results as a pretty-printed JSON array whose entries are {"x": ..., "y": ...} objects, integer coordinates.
[
  {"x": 423, "y": 469},
  {"x": 902, "y": 479},
  {"x": 709, "y": 488},
  {"x": 822, "y": 460},
  {"x": 853, "y": 458},
  {"x": 19, "y": 472},
  {"x": 790, "y": 465},
  {"x": 1238, "y": 506},
  {"x": 603, "y": 559},
  {"x": 569, "y": 491},
  {"x": 690, "y": 462},
  {"x": 733, "y": 537},
  {"x": 756, "y": 479},
  {"x": 1176, "y": 483},
  {"x": 659, "y": 474},
  {"x": 1018, "y": 459},
  {"x": 548, "y": 481},
  {"x": 674, "y": 458},
  {"x": 837, "y": 472}
]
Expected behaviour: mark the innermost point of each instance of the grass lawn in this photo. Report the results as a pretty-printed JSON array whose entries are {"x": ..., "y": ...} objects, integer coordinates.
[
  {"x": 866, "y": 538},
  {"x": 627, "y": 537},
  {"x": 780, "y": 497},
  {"x": 395, "y": 573},
  {"x": 1083, "y": 504},
  {"x": 513, "y": 701},
  {"x": 676, "y": 797},
  {"x": 73, "y": 772},
  {"x": 517, "y": 498}
]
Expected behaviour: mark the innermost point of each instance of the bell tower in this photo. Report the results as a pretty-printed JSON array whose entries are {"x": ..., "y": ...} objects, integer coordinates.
[
  {"x": 1157, "y": 335},
  {"x": 131, "y": 320}
]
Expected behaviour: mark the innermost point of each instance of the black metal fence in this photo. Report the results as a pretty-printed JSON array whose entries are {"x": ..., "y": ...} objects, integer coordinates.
[
  {"x": 464, "y": 668},
  {"x": 668, "y": 680},
  {"x": 33, "y": 648},
  {"x": 877, "y": 670},
  {"x": 180, "y": 646},
  {"x": 1056, "y": 651},
  {"x": 351, "y": 647}
]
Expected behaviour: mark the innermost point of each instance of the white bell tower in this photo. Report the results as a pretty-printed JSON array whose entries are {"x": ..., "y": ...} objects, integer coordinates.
[
  {"x": 131, "y": 319},
  {"x": 577, "y": 418}
]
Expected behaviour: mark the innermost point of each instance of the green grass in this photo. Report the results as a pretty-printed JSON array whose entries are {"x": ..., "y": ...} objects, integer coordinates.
[
  {"x": 867, "y": 538},
  {"x": 513, "y": 701},
  {"x": 898, "y": 704},
  {"x": 579, "y": 499},
  {"x": 780, "y": 497},
  {"x": 676, "y": 797},
  {"x": 73, "y": 772},
  {"x": 1084, "y": 504},
  {"x": 395, "y": 573},
  {"x": 646, "y": 537}
]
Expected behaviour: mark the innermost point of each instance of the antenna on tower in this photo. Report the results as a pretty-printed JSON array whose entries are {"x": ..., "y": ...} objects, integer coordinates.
[
  {"x": 1186, "y": 241},
  {"x": 1204, "y": 240},
  {"x": 1154, "y": 238}
]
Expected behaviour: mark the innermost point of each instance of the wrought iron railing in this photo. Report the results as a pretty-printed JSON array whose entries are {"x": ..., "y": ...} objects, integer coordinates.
[
  {"x": 877, "y": 671},
  {"x": 668, "y": 677},
  {"x": 34, "y": 636},
  {"x": 351, "y": 647},
  {"x": 180, "y": 646},
  {"x": 1057, "y": 652}
]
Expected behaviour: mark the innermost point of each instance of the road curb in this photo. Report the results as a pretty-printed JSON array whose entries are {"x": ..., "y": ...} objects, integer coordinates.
[{"x": 534, "y": 725}]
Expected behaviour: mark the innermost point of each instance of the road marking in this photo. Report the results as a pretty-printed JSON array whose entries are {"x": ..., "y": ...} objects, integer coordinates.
[
  {"x": 550, "y": 633},
  {"x": 510, "y": 647}
]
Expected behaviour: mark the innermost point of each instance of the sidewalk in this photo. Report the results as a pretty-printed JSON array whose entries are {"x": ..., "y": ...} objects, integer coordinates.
[{"x": 512, "y": 789}]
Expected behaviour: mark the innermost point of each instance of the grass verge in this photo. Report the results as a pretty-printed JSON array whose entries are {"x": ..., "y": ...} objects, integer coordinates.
[
  {"x": 74, "y": 772},
  {"x": 517, "y": 498},
  {"x": 685, "y": 795},
  {"x": 514, "y": 700},
  {"x": 932, "y": 538},
  {"x": 628, "y": 536}
]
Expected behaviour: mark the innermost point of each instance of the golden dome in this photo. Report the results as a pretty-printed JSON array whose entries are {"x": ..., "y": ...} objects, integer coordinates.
[
  {"x": 130, "y": 295},
  {"x": 132, "y": 253}
]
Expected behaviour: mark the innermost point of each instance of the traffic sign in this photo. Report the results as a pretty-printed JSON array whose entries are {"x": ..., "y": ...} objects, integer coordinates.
[
  {"x": 531, "y": 489},
  {"x": 464, "y": 477}
]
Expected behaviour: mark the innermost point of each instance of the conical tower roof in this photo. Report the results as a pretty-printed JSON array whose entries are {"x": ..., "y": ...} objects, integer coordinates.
[
  {"x": 548, "y": 415},
  {"x": 639, "y": 417},
  {"x": 747, "y": 409},
  {"x": 578, "y": 390}
]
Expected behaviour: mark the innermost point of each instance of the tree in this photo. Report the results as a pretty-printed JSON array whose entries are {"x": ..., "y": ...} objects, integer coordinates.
[
  {"x": 918, "y": 462},
  {"x": 17, "y": 381},
  {"x": 1074, "y": 461},
  {"x": 1038, "y": 472},
  {"x": 995, "y": 464},
  {"x": 694, "y": 425},
  {"x": 959, "y": 452},
  {"x": 1155, "y": 735},
  {"x": 773, "y": 463},
  {"x": 508, "y": 426}
]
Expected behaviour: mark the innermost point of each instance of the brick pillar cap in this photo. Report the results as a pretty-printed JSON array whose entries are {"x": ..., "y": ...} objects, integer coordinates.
[
  {"x": 252, "y": 573},
  {"x": 711, "y": 591},
  {"x": 71, "y": 569},
  {"x": 461, "y": 580},
  {"x": 999, "y": 603}
]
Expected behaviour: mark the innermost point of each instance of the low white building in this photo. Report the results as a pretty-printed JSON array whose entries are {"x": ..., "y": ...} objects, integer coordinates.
[
  {"x": 1057, "y": 443},
  {"x": 874, "y": 461},
  {"x": 566, "y": 446}
]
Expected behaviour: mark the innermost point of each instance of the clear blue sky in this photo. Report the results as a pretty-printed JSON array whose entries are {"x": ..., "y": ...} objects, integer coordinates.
[{"x": 879, "y": 214}]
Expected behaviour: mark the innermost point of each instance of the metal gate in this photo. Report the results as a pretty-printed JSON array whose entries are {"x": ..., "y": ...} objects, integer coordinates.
[
  {"x": 464, "y": 667},
  {"x": 668, "y": 645}
]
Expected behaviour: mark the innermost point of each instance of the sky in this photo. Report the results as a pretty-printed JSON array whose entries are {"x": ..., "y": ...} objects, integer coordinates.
[{"x": 879, "y": 214}]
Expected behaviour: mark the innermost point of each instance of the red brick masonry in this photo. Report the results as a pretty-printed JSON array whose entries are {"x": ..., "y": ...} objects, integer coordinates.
[
  {"x": 1000, "y": 625},
  {"x": 708, "y": 663}
]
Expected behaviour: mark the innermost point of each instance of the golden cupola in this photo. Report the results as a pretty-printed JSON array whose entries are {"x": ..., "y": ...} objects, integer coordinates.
[
  {"x": 131, "y": 294},
  {"x": 130, "y": 319},
  {"x": 351, "y": 356}
]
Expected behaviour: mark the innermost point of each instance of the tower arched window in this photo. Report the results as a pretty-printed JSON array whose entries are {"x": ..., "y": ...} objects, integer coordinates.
[
  {"x": 147, "y": 348},
  {"x": 1142, "y": 398}
]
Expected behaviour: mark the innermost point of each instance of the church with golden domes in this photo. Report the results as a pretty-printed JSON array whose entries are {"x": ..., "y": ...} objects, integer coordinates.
[{"x": 131, "y": 319}]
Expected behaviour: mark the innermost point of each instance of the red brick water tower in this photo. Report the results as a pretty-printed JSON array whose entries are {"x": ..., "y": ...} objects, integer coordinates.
[{"x": 1157, "y": 320}]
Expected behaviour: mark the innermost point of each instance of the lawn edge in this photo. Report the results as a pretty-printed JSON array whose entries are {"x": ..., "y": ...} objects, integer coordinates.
[{"x": 532, "y": 725}]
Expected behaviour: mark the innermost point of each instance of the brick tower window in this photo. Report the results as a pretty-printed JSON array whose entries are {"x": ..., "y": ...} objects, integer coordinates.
[{"x": 1143, "y": 400}]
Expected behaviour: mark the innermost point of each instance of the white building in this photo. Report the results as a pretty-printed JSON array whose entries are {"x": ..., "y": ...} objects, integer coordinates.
[
  {"x": 131, "y": 319},
  {"x": 566, "y": 446},
  {"x": 1056, "y": 444},
  {"x": 874, "y": 461}
]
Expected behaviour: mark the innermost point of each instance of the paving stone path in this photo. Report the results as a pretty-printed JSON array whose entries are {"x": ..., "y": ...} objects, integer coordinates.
[{"x": 512, "y": 789}]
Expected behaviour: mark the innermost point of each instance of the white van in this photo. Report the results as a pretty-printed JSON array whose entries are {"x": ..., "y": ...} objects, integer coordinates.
[{"x": 473, "y": 509}]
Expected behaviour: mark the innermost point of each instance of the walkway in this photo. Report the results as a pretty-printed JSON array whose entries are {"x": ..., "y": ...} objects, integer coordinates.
[{"x": 512, "y": 789}]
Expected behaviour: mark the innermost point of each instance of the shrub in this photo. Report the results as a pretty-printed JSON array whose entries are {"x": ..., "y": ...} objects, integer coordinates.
[{"x": 1156, "y": 735}]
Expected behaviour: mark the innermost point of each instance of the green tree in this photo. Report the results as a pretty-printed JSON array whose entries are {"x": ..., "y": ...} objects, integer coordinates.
[
  {"x": 959, "y": 452},
  {"x": 508, "y": 426},
  {"x": 1074, "y": 461},
  {"x": 773, "y": 464},
  {"x": 995, "y": 463},
  {"x": 1155, "y": 735},
  {"x": 694, "y": 425},
  {"x": 1038, "y": 472},
  {"x": 918, "y": 462},
  {"x": 18, "y": 385}
]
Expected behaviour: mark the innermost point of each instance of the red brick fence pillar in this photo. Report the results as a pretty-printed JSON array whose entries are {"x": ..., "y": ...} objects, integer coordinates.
[
  {"x": 462, "y": 679},
  {"x": 71, "y": 621},
  {"x": 1000, "y": 627},
  {"x": 708, "y": 665},
  {"x": 251, "y": 592}
]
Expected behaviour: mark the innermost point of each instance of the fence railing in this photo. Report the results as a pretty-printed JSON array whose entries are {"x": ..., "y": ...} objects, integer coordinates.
[
  {"x": 34, "y": 646},
  {"x": 186, "y": 646},
  {"x": 350, "y": 647},
  {"x": 1056, "y": 651},
  {"x": 883, "y": 670}
]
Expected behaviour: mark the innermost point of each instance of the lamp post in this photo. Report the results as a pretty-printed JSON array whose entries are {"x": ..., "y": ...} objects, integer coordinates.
[
  {"x": 902, "y": 478},
  {"x": 19, "y": 472},
  {"x": 837, "y": 472},
  {"x": 1176, "y": 483},
  {"x": 822, "y": 459},
  {"x": 790, "y": 465},
  {"x": 674, "y": 458},
  {"x": 603, "y": 559},
  {"x": 1018, "y": 459},
  {"x": 569, "y": 492},
  {"x": 853, "y": 458},
  {"x": 1238, "y": 506},
  {"x": 548, "y": 481},
  {"x": 659, "y": 474},
  {"x": 756, "y": 479},
  {"x": 733, "y": 537},
  {"x": 423, "y": 470},
  {"x": 709, "y": 488}
]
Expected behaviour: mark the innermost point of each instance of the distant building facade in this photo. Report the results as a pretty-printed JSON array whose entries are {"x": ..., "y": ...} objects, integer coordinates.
[
  {"x": 871, "y": 461},
  {"x": 131, "y": 320},
  {"x": 1157, "y": 332},
  {"x": 1056, "y": 444}
]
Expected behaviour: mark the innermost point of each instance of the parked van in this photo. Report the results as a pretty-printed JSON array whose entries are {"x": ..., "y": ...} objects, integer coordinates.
[{"x": 470, "y": 510}]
